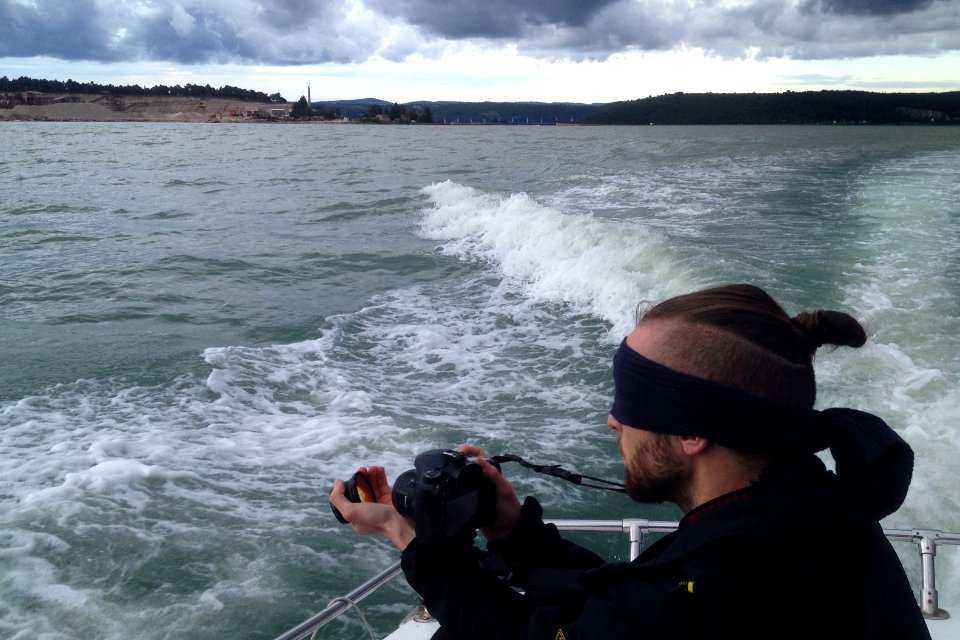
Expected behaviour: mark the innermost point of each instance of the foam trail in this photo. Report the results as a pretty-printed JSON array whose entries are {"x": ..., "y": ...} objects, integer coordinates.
[
  {"x": 603, "y": 267},
  {"x": 904, "y": 289}
]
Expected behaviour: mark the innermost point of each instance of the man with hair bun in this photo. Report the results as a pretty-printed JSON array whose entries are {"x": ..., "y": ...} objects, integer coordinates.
[{"x": 713, "y": 410}]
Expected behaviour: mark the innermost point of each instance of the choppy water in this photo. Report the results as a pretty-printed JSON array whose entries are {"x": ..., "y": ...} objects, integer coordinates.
[{"x": 203, "y": 326}]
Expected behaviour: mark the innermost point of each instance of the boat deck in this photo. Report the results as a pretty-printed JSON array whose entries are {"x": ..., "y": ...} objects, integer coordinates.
[{"x": 941, "y": 613}]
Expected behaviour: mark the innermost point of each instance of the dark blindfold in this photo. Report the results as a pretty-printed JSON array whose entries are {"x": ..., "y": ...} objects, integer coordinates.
[{"x": 655, "y": 398}]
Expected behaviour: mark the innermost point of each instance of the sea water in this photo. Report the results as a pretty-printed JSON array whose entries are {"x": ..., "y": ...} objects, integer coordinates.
[{"x": 204, "y": 325}]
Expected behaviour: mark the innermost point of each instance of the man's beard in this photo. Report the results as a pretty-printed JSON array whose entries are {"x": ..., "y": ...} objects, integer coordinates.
[{"x": 656, "y": 474}]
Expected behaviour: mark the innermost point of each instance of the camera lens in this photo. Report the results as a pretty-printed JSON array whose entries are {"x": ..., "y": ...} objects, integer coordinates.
[
  {"x": 405, "y": 492},
  {"x": 357, "y": 489}
]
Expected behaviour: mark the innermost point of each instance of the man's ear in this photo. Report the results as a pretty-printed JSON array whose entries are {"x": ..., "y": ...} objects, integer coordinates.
[{"x": 693, "y": 445}]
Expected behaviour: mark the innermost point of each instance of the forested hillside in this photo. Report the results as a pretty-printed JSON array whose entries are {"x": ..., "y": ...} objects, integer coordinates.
[{"x": 791, "y": 107}]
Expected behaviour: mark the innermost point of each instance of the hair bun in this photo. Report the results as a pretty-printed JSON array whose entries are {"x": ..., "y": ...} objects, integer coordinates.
[{"x": 820, "y": 327}]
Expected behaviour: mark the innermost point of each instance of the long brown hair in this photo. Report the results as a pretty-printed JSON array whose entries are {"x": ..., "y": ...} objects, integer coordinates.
[{"x": 739, "y": 336}]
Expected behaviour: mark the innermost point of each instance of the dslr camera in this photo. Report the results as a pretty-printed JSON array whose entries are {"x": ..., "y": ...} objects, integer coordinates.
[{"x": 445, "y": 494}]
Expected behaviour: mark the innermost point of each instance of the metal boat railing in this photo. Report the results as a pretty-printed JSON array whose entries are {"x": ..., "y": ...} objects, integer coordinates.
[
  {"x": 926, "y": 540},
  {"x": 311, "y": 625}
]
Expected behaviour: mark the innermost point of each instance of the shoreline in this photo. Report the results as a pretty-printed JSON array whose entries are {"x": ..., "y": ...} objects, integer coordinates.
[
  {"x": 31, "y": 106},
  {"x": 35, "y": 106}
]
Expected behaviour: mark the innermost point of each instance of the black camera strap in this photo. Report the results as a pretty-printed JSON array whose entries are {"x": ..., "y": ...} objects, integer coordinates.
[{"x": 555, "y": 471}]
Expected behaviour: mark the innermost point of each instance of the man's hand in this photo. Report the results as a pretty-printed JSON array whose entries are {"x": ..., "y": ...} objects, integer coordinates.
[
  {"x": 506, "y": 504},
  {"x": 374, "y": 518}
]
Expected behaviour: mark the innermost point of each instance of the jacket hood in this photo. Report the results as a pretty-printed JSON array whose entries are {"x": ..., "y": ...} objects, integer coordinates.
[{"x": 874, "y": 465}]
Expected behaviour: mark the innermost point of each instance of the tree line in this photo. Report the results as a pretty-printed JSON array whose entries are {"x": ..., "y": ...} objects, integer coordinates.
[
  {"x": 399, "y": 113},
  {"x": 803, "y": 107},
  {"x": 23, "y": 83}
]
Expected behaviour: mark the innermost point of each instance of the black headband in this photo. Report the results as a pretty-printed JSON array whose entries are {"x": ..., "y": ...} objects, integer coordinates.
[{"x": 656, "y": 398}]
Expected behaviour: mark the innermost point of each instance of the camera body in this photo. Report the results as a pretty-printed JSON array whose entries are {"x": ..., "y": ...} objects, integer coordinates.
[{"x": 446, "y": 494}]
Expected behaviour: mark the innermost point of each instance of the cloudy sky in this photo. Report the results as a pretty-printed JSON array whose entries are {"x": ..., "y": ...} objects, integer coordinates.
[{"x": 548, "y": 50}]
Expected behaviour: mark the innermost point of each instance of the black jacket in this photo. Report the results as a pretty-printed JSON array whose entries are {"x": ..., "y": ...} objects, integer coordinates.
[{"x": 785, "y": 558}]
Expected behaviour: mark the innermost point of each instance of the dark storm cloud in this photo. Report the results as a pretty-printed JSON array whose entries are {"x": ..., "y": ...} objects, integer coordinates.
[
  {"x": 289, "y": 14},
  {"x": 456, "y": 19},
  {"x": 52, "y": 28},
  {"x": 316, "y": 31},
  {"x": 867, "y": 7},
  {"x": 191, "y": 38}
]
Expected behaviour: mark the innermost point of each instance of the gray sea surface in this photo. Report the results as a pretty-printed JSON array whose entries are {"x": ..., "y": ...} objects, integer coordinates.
[{"x": 204, "y": 325}]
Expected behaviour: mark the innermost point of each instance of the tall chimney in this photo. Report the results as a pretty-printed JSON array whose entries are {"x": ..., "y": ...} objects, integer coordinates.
[{"x": 309, "y": 101}]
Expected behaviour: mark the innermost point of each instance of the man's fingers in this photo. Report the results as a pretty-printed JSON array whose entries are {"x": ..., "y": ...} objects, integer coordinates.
[{"x": 472, "y": 450}]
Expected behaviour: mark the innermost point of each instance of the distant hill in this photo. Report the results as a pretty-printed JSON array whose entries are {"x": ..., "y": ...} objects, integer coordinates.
[
  {"x": 802, "y": 107},
  {"x": 475, "y": 112}
]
